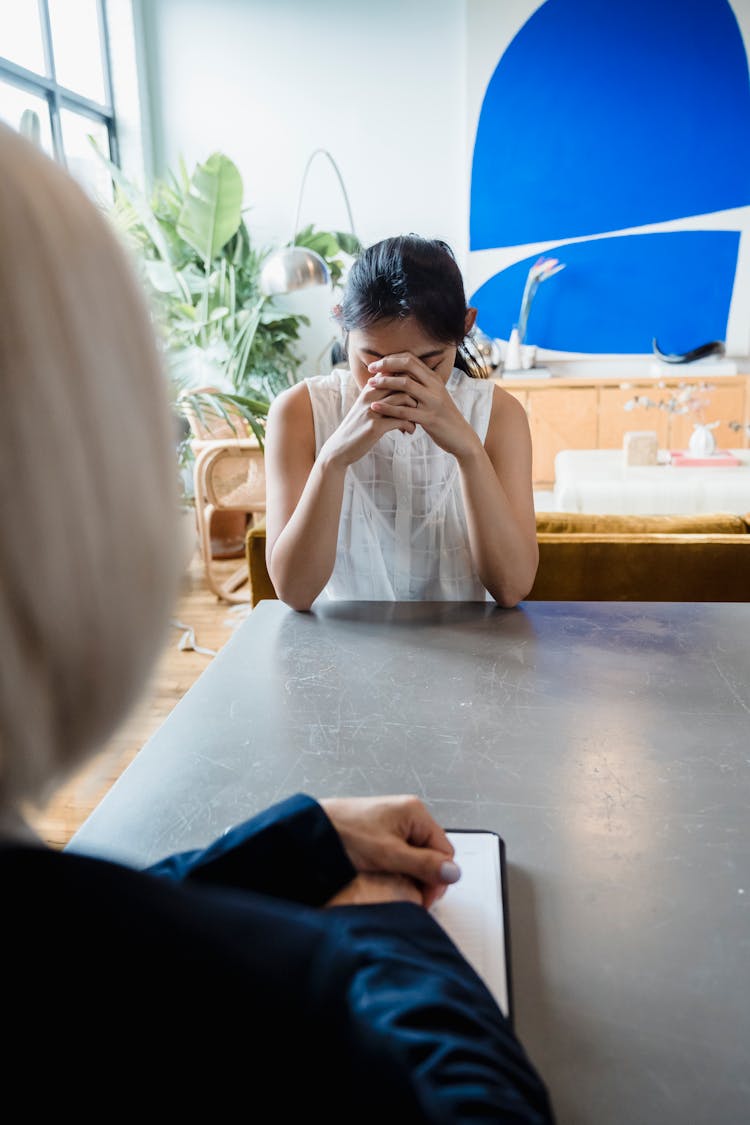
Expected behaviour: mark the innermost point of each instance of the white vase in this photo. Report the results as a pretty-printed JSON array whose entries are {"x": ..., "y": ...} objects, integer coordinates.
[
  {"x": 528, "y": 356},
  {"x": 702, "y": 442},
  {"x": 512, "y": 361}
]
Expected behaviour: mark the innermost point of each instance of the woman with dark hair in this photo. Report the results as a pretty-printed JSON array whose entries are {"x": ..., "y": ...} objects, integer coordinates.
[{"x": 406, "y": 475}]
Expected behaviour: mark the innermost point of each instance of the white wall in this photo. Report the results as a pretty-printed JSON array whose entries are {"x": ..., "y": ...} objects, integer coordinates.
[
  {"x": 381, "y": 86},
  {"x": 393, "y": 89}
]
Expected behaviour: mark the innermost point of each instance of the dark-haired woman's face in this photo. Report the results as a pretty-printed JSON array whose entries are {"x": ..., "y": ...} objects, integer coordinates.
[{"x": 394, "y": 337}]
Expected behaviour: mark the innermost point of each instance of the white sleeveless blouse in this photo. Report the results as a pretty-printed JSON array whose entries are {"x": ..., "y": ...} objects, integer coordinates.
[{"x": 402, "y": 534}]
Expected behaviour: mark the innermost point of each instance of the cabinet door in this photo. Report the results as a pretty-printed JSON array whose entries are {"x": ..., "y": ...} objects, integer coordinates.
[
  {"x": 522, "y": 396},
  {"x": 560, "y": 418},
  {"x": 724, "y": 404},
  {"x": 615, "y": 420}
]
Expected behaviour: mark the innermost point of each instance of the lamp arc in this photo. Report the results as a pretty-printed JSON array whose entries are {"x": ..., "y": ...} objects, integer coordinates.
[{"x": 297, "y": 267}]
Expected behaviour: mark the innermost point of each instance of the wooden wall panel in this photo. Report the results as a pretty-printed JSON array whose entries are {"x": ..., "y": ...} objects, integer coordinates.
[
  {"x": 589, "y": 413},
  {"x": 615, "y": 420},
  {"x": 560, "y": 418}
]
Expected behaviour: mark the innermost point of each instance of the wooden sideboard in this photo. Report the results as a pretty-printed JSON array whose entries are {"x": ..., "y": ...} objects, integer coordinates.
[{"x": 589, "y": 413}]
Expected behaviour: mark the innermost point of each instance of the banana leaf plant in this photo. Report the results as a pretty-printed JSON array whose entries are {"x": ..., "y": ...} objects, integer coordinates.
[{"x": 201, "y": 270}]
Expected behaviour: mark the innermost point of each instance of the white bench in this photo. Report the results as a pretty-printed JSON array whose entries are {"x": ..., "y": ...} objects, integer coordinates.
[{"x": 599, "y": 481}]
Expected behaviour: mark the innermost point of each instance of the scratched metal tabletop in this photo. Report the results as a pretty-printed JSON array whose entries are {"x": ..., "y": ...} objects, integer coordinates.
[{"x": 607, "y": 743}]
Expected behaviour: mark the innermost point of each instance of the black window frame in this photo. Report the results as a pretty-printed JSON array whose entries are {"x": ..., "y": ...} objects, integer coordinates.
[{"x": 60, "y": 97}]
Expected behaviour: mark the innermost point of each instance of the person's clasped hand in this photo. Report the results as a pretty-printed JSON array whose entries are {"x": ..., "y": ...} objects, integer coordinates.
[
  {"x": 433, "y": 408},
  {"x": 360, "y": 429},
  {"x": 399, "y": 850}
]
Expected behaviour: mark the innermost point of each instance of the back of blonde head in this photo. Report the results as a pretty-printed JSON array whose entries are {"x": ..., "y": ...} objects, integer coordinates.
[{"x": 87, "y": 478}]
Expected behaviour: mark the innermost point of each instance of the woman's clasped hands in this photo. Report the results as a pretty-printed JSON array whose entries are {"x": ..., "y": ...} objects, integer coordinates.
[
  {"x": 405, "y": 377},
  {"x": 361, "y": 428}
]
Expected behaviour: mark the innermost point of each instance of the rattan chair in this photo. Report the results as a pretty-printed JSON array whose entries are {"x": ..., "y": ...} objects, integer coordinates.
[{"x": 229, "y": 476}]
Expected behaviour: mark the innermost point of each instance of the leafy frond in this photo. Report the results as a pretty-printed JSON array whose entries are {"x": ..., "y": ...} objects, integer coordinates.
[{"x": 200, "y": 268}]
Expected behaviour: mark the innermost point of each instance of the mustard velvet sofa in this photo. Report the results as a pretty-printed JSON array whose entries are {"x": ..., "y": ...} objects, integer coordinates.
[
  {"x": 642, "y": 558},
  {"x": 613, "y": 558}
]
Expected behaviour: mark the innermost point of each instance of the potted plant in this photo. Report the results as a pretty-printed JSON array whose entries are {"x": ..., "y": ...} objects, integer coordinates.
[{"x": 229, "y": 348}]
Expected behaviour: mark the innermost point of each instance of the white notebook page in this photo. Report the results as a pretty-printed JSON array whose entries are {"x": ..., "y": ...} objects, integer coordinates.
[{"x": 471, "y": 910}]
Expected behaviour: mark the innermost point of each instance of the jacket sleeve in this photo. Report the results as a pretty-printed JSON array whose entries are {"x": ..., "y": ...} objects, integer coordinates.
[
  {"x": 415, "y": 1009},
  {"x": 290, "y": 850}
]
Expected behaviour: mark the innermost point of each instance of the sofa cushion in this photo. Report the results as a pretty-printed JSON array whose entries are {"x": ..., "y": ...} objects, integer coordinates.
[
  {"x": 261, "y": 586},
  {"x": 713, "y": 523},
  {"x": 642, "y": 568}
]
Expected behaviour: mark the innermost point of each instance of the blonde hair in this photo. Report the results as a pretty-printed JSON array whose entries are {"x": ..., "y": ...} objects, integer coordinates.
[{"x": 88, "y": 480}]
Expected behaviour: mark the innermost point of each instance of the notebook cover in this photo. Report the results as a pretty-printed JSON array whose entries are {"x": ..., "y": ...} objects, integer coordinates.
[{"x": 506, "y": 918}]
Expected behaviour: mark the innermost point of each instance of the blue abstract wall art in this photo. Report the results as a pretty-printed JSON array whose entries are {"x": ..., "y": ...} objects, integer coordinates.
[
  {"x": 616, "y": 294},
  {"x": 601, "y": 117}
]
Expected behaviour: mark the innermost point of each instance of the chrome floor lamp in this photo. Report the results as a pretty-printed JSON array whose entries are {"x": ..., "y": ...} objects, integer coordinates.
[{"x": 296, "y": 267}]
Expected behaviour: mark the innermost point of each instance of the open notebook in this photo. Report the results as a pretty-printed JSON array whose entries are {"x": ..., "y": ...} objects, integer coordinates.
[{"x": 474, "y": 912}]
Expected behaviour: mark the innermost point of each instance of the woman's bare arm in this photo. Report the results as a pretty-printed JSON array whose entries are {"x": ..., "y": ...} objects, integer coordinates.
[
  {"x": 499, "y": 500},
  {"x": 303, "y": 501}
]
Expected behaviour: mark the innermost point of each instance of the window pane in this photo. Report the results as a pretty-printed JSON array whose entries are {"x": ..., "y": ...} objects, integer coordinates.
[
  {"x": 14, "y": 101},
  {"x": 82, "y": 161},
  {"x": 76, "y": 47},
  {"x": 21, "y": 34}
]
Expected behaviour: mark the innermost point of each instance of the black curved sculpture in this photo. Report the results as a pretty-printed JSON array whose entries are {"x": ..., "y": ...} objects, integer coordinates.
[{"x": 716, "y": 347}]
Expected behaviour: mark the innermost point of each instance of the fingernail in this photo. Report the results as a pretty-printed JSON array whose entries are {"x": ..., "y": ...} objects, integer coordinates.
[
  {"x": 449, "y": 872},
  {"x": 375, "y": 366}
]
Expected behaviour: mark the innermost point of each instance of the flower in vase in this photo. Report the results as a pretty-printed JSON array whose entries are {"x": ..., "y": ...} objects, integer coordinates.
[
  {"x": 542, "y": 269},
  {"x": 687, "y": 398}
]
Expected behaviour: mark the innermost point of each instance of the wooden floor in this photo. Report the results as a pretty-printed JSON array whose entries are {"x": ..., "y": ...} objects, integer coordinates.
[{"x": 212, "y": 622}]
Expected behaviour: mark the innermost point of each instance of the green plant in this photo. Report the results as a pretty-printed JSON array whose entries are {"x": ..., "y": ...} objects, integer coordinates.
[{"x": 201, "y": 270}]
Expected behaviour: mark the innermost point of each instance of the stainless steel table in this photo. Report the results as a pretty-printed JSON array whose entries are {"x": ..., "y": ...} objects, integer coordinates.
[{"x": 607, "y": 743}]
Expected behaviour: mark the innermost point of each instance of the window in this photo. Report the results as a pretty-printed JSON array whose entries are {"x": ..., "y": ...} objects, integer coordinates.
[{"x": 56, "y": 86}]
